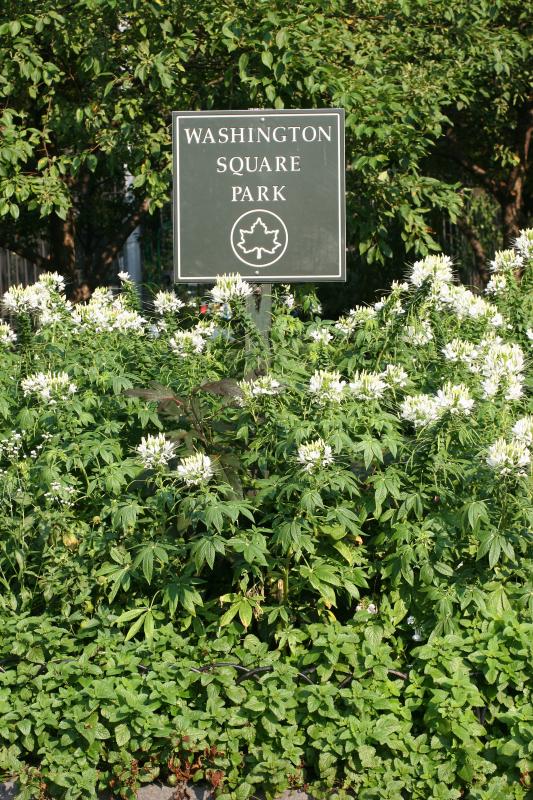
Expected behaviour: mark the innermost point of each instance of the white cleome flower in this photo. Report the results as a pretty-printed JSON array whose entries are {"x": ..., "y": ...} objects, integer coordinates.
[
  {"x": 523, "y": 430},
  {"x": 230, "y": 287},
  {"x": 367, "y": 385},
  {"x": 155, "y": 451},
  {"x": 497, "y": 285},
  {"x": 7, "y": 335},
  {"x": 43, "y": 300},
  {"x": 506, "y": 261},
  {"x": 421, "y": 410},
  {"x": 49, "y": 386},
  {"x": 106, "y": 314},
  {"x": 460, "y": 351},
  {"x": 524, "y": 244},
  {"x": 345, "y": 326},
  {"x": 419, "y": 334},
  {"x": 167, "y": 303},
  {"x": 507, "y": 458},
  {"x": 53, "y": 281},
  {"x": 195, "y": 470},
  {"x": 125, "y": 277},
  {"x": 327, "y": 387},
  {"x": 435, "y": 269},
  {"x": 501, "y": 366},
  {"x": 265, "y": 386},
  {"x": 464, "y": 304},
  {"x": 321, "y": 336},
  {"x": 187, "y": 343},
  {"x": 315, "y": 455},
  {"x": 455, "y": 399},
  {"x": 394, "y": 376}
]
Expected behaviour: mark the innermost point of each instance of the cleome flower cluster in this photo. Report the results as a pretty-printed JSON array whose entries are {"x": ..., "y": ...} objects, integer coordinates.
[
  {"x": 264, "y": 386},
  {"x": 155, "y": 452},
  {"x": 105, "y": 313},
  {"x": 315, "y": 455},
  {"x": 513, "y": 457},
  {"x": 229, "y": 288},
  {"x": 423, "y": 410},
  {"x": 50, "y": 387},
  {"x": 7, "y": 335}
]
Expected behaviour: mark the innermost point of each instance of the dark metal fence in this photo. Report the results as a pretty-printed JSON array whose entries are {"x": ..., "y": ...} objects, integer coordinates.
[{"x": 16, "y": 270}]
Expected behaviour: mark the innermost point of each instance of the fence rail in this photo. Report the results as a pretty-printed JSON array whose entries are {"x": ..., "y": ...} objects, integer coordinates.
[{"x": 15, "y": 269}]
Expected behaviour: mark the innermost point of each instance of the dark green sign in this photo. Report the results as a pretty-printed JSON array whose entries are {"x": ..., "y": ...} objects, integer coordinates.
[{"x": 260, "y": 193}]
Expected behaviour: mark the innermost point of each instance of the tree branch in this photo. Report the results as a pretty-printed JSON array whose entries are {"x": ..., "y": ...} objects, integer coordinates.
[{"x": 27, "y": 252}]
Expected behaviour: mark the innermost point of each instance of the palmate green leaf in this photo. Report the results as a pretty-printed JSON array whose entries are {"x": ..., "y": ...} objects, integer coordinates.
[{"x": 182, "y": 592}]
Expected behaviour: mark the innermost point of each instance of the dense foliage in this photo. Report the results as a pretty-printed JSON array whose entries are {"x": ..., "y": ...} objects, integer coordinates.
[
  {"x": 436, "y": 93},
  {"x": 307, "y": 563}
]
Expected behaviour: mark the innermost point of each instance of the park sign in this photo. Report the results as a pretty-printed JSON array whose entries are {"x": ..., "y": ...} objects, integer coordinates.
[{"x": 259, "y": 193}]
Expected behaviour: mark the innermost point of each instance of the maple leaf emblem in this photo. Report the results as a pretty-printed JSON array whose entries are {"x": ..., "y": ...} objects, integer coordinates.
[{"x": 259, "y": 239}]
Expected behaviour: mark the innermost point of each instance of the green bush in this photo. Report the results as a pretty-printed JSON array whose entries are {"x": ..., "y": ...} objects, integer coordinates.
[{"x": 306, "y": 563}]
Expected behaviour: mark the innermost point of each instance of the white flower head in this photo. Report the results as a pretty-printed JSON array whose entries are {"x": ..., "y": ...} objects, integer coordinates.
[
  {"x": 264, "y": 386},
  {"x": 327, "y": 387},
  {"x": 501, "y": 366},
  {"x": 42, "y": 300},
  {"x": 8, "y": 336},
  {"x": 106, "y": 314},
  {"x": 419, "y": 334},
  {"x": 230, "y": 287},
  {"x": 506, "y": 261},
  {"x": 315, "y": 455},
  {"x": 187, "y": 343},
  {"x": 524, "y": 244},
  {"x": 394, "y": 376},
  {"x": 125, "y": 277},
  {"x": 195, "y": 470},
  {"x": 455, "y": 399},
  {"x": 167, "y": 303},
  {"x": 523, "y": 430},
  {"x": 497, "y": 284},
  {"x": 435, "y": 269},
  {"x": 345, "y": 325},
  {"x": 320, "y": 336},
  {"x": 367, "y": 385},
  {"x": 289, "y": 301},
  {"x": 52, "y": 281},
  {"x": 460, "y": 351},
  {"x": 155, "y": 451},
  {"x": 421, "y": 410},
  {"x": 49, "y": 386},
  {"x": 507, "y": 458}
]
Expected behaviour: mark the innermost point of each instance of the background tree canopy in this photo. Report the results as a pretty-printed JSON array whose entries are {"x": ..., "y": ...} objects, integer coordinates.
[{"x": 435, "y": 92}]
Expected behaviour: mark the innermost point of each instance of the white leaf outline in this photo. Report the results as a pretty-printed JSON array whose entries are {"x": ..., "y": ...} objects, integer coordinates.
[{"x": 243, "y": 232}]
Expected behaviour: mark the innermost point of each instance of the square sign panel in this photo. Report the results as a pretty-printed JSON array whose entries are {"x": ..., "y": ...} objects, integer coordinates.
[{"x": 260, "y": 193}]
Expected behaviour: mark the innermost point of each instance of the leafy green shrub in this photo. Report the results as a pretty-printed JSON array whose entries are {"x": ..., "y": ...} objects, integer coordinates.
[{"x": 344, "y": 517}]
